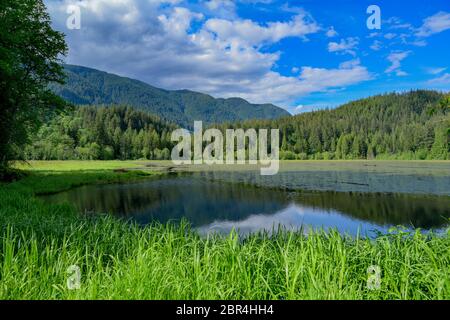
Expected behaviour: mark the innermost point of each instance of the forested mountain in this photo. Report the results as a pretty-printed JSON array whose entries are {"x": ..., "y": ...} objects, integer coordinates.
[
  {"x": 412, "y": 125},
  {"x": 85, "y": 86}
]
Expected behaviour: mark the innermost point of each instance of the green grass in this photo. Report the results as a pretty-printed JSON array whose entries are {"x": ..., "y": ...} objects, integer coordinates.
[
  {"x": 53, "y": 182},
  {"x": 121, "y": 260},
  {"x": 75, "y": 165}
]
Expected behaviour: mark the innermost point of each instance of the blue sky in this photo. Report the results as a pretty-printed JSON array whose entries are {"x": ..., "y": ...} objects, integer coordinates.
[{"x": 300, "y": 55}]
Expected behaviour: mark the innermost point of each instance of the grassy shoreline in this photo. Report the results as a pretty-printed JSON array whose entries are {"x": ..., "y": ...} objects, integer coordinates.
[{"x": 120, "y": 260}]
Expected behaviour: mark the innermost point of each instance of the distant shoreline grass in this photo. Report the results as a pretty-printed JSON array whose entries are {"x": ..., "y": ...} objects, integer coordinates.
[
  {"x": 76, "y": 165},
  {"x": 120, "y": 260}
]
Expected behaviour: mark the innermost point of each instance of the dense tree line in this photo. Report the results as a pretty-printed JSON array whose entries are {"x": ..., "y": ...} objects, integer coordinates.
[
  {"x": 102, "y": 133},
  {"x": 412, "y": 125}
]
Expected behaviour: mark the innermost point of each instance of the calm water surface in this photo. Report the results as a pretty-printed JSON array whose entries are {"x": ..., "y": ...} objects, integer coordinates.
[{"x": 214, "y": 205}]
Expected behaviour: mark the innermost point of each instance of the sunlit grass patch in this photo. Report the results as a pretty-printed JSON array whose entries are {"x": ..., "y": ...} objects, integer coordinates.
[{"x": 77, "y": 165}]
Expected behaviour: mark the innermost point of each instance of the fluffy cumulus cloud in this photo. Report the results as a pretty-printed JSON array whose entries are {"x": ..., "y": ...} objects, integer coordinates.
[
  {"x": 247, "y": 32},
  {"x": 222, "y": 8},
  {"x": 171, "y": 46}
]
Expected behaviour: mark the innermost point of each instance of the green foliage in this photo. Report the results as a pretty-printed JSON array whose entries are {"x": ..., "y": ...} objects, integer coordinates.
[
  {"x": 86, "y": 86},
  {"x": 440, "y": 147},
  {"x": 102, "y": 133},
  {"x": 390, "y": 126},
  {"x": 387, "y": 127},
  {"x": 29, "y": 61}
]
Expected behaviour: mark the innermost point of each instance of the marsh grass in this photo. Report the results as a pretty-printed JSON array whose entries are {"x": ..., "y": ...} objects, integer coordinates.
[
  {"x": 76, "y": 165},
  {"x": 121, "y": 260}
]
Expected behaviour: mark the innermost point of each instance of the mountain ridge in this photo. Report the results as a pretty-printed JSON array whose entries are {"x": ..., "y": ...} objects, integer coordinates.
[{"x": 88, "y": 86}]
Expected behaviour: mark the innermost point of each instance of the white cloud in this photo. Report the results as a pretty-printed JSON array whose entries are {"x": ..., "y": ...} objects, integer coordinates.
[
  {"x": 373, "y": 35},
  {"x": 444, "y": 79},
  {"x": 435, "y": 71},
  {"x": 321, "y": 79},
  {"x": 434, "y": 24},
  {"x": 277, "y": 88},
  {"x": 396, "y": 58},
  {"x": 331, "y": 32},
  {"x": 248, "y": 32},
  {"x": 222, "y": 8},
  {"x": 390, "y": 35},
  {"x": 376, "y": 45},
  {"x": 178, "y": 23},
  {"x": 217, "y": 4},
  {"x": 176, "y": 48},
  {"x": 397, "y": 23},
  {"x": 291, "y": 9},
  {"x": 309, "y": 108},
  {"x": 418, "y": 43},
  {"x": 350, "y": 64},
  {"x": 344, "y": 46}
]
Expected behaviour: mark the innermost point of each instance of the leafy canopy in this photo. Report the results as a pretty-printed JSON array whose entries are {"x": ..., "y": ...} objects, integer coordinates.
[{"x": 30, "y": 52}]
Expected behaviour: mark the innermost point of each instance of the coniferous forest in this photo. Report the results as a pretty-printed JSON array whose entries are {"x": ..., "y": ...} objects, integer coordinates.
[
  {"x": 94, "y": 133},
  {"x": 413, "y": 125}
]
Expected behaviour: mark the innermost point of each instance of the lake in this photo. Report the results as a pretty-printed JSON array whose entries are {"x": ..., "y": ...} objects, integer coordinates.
[{"x": 221, "y": 201}]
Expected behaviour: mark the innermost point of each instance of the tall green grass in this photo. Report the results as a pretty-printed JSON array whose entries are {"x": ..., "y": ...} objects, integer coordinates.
[{"x": 120, "y": 260}]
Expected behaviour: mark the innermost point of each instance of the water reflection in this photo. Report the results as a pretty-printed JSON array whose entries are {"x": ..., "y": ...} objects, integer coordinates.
[
  {"x": 219, "y": 206},
  {"x": 410, "y": 182},
  {"x": 294, "y": 217}
]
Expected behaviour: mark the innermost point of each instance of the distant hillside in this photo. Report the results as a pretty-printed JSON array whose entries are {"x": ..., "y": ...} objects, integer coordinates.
[
  {"x": 412, "y": 125},
  {"x": 85, "y": 86}
]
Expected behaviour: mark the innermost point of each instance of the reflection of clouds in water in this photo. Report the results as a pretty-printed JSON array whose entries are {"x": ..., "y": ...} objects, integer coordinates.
[
  {"x": 218, "y": 206},
  {"x": 292, "y": 217}
]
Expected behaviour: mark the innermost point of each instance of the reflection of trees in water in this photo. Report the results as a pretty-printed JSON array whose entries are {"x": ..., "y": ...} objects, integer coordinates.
[
  {"x": 200, "y": 202},
  {"x": 203, "y": 201},
  {"x": 368, "y": 204},
  {"x": 383, "y": 209}
]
